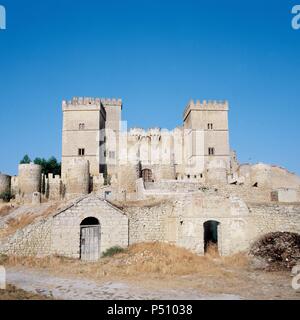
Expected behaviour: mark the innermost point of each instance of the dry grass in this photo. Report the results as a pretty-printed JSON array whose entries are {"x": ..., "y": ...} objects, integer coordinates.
[
  {"x": 5, "y": 210},
  {"x": 140, "y": 260},
  {"x": 17, "y": 223},
  {"x": 14, "y": 224}
]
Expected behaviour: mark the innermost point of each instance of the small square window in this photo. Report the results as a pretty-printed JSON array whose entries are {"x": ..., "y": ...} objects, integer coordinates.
[
  {"x": 81, "y": 126},
  {"x": 211, "y": 151},
  {"x": 112, "y": 154}
]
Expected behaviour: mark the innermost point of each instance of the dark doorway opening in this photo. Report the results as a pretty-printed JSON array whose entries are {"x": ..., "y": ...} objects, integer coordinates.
[
  {"x": 211, "y": 234},
  {"x": 147, "y": 175},
  {"x": 90, "y": 239}
]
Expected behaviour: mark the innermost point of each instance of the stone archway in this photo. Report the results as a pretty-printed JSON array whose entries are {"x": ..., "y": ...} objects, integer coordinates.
[{"x": 90, "y": 239}]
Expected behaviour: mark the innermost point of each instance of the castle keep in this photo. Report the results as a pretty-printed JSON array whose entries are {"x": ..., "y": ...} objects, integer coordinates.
[{"x": 121, "y": 186}]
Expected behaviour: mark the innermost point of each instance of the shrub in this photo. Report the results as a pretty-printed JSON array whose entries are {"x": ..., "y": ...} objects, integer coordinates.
[
  {"x": 281, "y": 250},
  {"x": 6, "y": 196},
  {"x": 25, "y": 160},
  {"x": 112, "y": 251}
]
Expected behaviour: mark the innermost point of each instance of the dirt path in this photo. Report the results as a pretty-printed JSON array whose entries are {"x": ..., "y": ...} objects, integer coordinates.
[{"x": 80, "y": 289}]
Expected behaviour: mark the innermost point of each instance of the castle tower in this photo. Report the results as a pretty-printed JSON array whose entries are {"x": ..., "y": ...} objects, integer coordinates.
[
  {"x": 113, "y": 110},
  {"x": 83, "y": 119},
  {"x": 206, "y": 135}
]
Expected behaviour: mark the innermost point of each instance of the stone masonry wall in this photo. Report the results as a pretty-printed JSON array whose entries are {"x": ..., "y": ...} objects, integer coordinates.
[
  {"x": 181, "y": 221},
  {"x": 33, "y": 240},
  {"x": 177, "y": 221},
  {"x": 267, "y": 218},
  {"x": 66, "y": 227},
  {"x": 147, "y": 224}
]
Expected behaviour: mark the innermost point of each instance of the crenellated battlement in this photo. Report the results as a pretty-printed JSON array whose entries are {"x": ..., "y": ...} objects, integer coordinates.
[
  {"x": 88, "y": 101},
  {"x": 153, "y": 132},
  {"x": 137, "y": 132},
  {"x": 206, "y": 105},
  {"x": 112, "y": 102},
  {"x": 52, "y": 177}
]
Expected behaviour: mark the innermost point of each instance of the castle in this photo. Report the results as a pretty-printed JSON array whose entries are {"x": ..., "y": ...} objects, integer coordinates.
[
  {"x": 93, "y": 130},
  {"x": 183, "y": 186}
]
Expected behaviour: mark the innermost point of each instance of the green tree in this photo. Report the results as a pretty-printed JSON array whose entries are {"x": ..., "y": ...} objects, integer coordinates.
[
  {"x": 25, "y": 160},
  {"x": 49, "y": 166}
]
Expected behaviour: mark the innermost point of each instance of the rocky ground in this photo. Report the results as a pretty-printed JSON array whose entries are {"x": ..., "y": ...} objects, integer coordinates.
[
  {"x": 66, "y": 288},
  {"x": 40, "y": 284}
]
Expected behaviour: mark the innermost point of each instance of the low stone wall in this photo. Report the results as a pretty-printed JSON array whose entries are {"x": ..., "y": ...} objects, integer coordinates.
[
  {"x": 178, "y": 221},
  {"x": 267, "y": 218},
  {"x": 172, "y": 186},
  {"x": 173, "y": 189},
  {"x": 181, "y": 221}
]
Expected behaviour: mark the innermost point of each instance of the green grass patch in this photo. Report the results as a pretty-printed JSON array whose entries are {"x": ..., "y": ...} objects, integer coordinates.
[{"x": 112, "y": 251}]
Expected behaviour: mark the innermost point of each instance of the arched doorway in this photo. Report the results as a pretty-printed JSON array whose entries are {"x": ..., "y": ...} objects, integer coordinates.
[
  {"x": 211, "y": 234},
  {"x": 90, "y": 239},
  {"x": 147, "y": 175}
]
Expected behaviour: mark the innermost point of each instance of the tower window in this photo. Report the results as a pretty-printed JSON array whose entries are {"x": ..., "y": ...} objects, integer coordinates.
[
  {"x": 211, "y": 151},
  {"x": 210, "y": 126},
  {"x": 81, "y": 152},
  {"x": 81, "y": 126},
  {"x": 112, "y": 154}
]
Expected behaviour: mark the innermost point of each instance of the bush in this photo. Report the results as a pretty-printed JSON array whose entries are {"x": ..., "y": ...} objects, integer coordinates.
[
  {"x": 49, "y": 166},
  {"x": 6, "y": 196},
  {"x": 112, "y": 251},
  {"x": 280, "y": 250}
]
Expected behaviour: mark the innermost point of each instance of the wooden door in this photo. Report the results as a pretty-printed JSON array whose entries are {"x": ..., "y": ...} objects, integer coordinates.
[
  {"x": 90, "y": 243},
  {"x": 147, "y": 175}
]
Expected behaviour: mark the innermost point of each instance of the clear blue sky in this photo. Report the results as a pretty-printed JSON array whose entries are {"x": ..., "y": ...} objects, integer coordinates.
[{"x": 155, "y": 55}]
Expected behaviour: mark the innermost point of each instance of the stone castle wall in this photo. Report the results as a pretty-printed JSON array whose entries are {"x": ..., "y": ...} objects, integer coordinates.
[
  {"x": 181, "y": 222},
  {"x": 5, "y": 183},
  {"x": 177, "y": 221}
]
